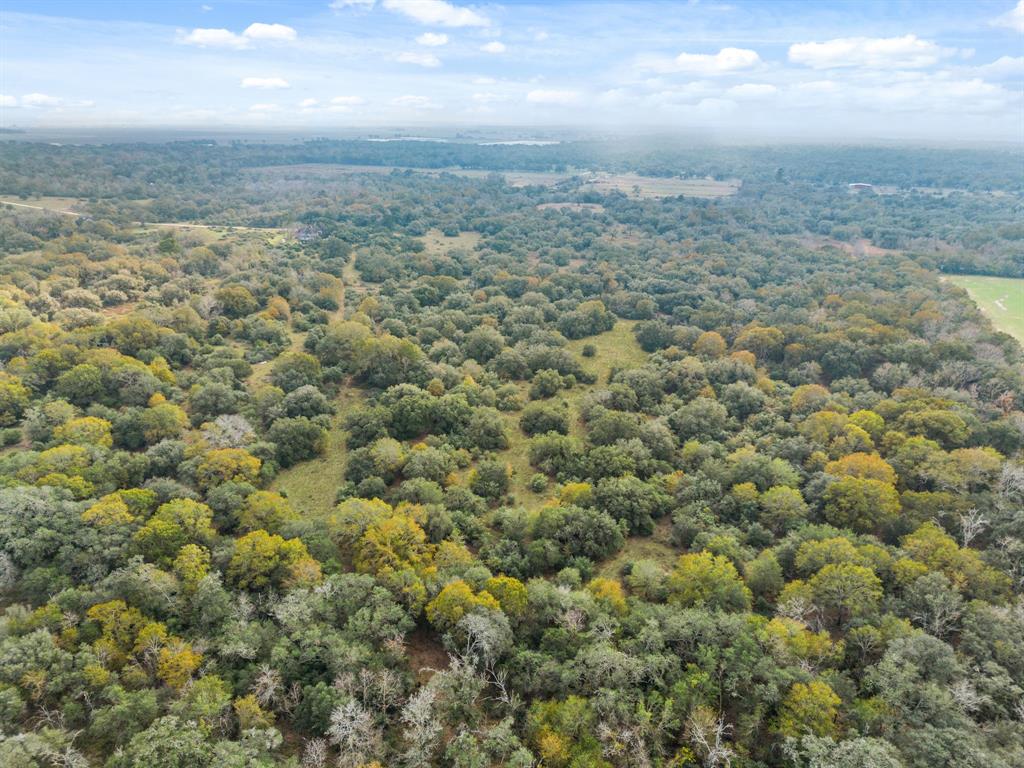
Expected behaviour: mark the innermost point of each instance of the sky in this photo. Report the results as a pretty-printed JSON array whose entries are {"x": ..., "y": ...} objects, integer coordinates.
[{"x": 934, "y": 70}]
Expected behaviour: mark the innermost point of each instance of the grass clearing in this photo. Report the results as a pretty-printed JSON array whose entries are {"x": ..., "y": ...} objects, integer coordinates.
[
  {"x": 1001, "y": 300},
  {"x": 655, "y": 547},
  {"x": 631, "y": 184},
  {"x": 312, "y": 485},
  {"x": 635, "y": 185},
  {"x": 616, "y": 348},
  {"x": 437, "y": 243},
  {"x": 53, "y": 204}
]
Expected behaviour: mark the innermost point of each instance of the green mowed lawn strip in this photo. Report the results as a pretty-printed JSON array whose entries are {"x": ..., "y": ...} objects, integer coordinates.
[{"x": 1001, "y": 299}]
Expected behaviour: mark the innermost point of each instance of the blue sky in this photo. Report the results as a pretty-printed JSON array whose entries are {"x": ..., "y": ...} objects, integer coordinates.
[{"x": 949, "y": 69}]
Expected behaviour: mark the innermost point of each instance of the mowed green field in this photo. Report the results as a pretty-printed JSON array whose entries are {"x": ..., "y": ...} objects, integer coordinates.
[{"x": 1000, "y": 298}]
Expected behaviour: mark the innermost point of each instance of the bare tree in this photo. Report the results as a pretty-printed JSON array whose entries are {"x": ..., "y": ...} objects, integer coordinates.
[
  {"x": 972, "y": 523},
  {"x": 355, "y": 734},
  {"x": 422, "y": 727},
  {"x": 315, "y": 754},
  {"x": 707, "y": 732},
  {"x": 266, "y": 686}
]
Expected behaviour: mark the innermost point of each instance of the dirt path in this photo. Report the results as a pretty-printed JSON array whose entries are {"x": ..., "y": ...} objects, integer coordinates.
[{"x": 41, "y": 208}]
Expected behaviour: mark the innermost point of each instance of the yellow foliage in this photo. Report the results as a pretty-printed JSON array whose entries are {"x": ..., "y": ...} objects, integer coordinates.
[
  {"x": 177, "y": 663},
  {"x": 87, "y": 430},
  {"x": 227, "y": 465},
  {"x": 454, "y": 602},
  {"x": 810, "y": 708},
  {"x": 609, "y": 593},
  {"x": 510, "y": 593},
  {"x": 109, "y": 510},
  {"x": 251, "y": 715},
  {"x": 575, "y": 493}
]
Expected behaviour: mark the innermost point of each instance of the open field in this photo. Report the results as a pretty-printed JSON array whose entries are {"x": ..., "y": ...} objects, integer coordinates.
[
  {"x": 629, "y": 183},
  {"x": 1001, "y": 299},
  {"x": 648, "y": 186},
  {"x": 437, "y": 242},
  {"x": 54, "y": 204}
]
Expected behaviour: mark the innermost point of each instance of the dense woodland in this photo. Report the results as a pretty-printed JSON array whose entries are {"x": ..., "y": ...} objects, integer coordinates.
[{"x": 408, "y": 469}]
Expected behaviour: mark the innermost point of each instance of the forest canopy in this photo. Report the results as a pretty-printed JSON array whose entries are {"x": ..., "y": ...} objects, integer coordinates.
[{"x": 419, "y": 464}]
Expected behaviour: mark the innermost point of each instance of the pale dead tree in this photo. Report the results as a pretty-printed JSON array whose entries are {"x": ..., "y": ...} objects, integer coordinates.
[
  {"x": 623, "y": 745},
  {"x": 1018, "y": 709},
  {"x": 50, "y": 718},
  {"x": 708, "y": 732},
  {"x": 395, "y": 645},
  {"x": 488, "y": 636},
  {"x": 315, "y": 754},
  {"x": 1013, "y": 551},
  {"x": 266, "y": 686},
  {"x": 243, "y": 608},
  {"x": 291, "y": 698},
  {"x": 421, "y": 727},
  {"x": 506, "y": 696},
  {"x": 379, "y": 689},
  {"x": 574, "y": 620},
  {"x": 1011, "y": 483},
  {"x": 229, "y": 430},
  {"x": 802, "y": 610},
  {"x": 1005, "y": 403},
  {"x": 972, "y": 523},
  {"x": 967, "y": 697},
  {"x": 355, "y": 734},
  {"x": 68, "y": 756},
  {"x": 206, "y": 305}
]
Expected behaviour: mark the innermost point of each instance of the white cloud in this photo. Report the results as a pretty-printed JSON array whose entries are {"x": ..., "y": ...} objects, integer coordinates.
[
  {"x": 484, "y": 80},
  {"x": 8, "y": 101},
  {"x": 415, "y": 102},
  {"x": 1004, "y": 68},
  {"x": 273, "y": 32},
  {"x": 725, "y": 61},
  {"x": 488, "y": 98},
  {"x": 40, "y": 100},
  {"x": 419, "y": 59},
  {"x": 225, "y": 38},
  {"x": 340, "y": 4},
  {"x": 752, "y": 91},
  {"x": 543, "y": 96},
  {"x": 264, "y": 108},
  {"x": 905, "y": 92},
  {"x": 206, "y": 8},
  {"x": 308, "y": 103},
  {"x": 267, "y": 83},
  {"x": 493, "y": 47},
  {"x": 907, "y": 52},
  {"x": 347, "y": 101},
  {"x": 215, "y": 38},
  {"x": 432, "y": 39},
  {"x": 1012, "y": 19},
  {"x": 437, "y": 12}
]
